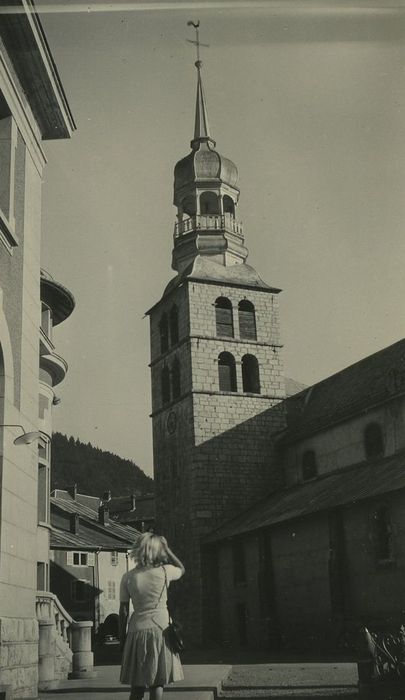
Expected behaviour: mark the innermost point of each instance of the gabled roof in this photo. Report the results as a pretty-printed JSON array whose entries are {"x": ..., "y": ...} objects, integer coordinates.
[
  {"x": 344, "y": 487},
  {"x": 113, "y": 535},
  {"x": 357, "y": 388}
]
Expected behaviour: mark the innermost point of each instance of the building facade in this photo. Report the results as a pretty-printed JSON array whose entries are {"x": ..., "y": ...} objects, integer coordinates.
[
  {"x": 310, "y": 565},
  {"x": 89, "y": 555},
  {"x": 215, "y": 366},
  {"x": 33, "y": 108}
]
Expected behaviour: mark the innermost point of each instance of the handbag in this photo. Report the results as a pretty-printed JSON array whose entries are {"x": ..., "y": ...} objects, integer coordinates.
[{"x": 174, "y": 630}]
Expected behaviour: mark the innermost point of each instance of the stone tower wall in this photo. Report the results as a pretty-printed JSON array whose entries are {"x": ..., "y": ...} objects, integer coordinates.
[{"x": 212, "y": 450}]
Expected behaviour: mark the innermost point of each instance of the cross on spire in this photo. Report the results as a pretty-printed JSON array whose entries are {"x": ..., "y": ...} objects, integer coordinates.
[{"x": 196, "y": 42}]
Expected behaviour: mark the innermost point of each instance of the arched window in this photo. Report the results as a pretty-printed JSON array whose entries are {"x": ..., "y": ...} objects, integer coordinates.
[
  {"x": 228, "y": 205},
  {"x": 373, "y": 441},
  {"x": 176, "y": 383},
  {"x": 209, "y": 203},
  {"x": 223, "y": 317},
  {"x": 247, "y": 320},
  {"x": 174, "y": 325},
  {"x": 250, "y": 374},
  {"x": 309, "y": 466},
  {"x": 383, "y": 534},
  {"x": 165, "y": 385},
  {"x": 226, "y": 372},
  {"x": 164, "y": 333}
]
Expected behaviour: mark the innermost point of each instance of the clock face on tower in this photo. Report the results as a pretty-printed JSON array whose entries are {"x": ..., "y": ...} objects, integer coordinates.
[{"x": 171, "y": 422}]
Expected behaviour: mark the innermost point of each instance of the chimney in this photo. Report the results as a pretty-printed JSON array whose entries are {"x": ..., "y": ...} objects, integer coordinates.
[
  {"x": 103, "y": 514},
  {"x": 74, "y": 523},
  {"x": 72, "y": 491},
  {"x": 132, "y": 497}
]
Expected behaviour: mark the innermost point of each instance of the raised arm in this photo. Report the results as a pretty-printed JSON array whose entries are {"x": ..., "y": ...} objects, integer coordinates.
[{"x": 175, "y": 560}]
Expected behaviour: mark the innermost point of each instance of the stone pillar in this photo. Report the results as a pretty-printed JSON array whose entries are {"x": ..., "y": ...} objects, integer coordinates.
[
  {"x": 82, "y": 662},
  {"x": 46, "y": 656}
]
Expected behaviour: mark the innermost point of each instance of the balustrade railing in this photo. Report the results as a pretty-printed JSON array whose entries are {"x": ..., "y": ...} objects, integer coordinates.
[
  {"x": 208, "y": 222},
  {"x": 49, "y": 608},
  {"x": 64, "y": 644}
]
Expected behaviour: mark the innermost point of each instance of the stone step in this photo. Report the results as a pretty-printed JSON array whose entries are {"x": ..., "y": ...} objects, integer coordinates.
[{"x": 282, "y": 693}]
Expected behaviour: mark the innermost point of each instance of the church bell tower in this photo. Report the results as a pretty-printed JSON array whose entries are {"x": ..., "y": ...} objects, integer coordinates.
[{"x": 215, "y": 366}]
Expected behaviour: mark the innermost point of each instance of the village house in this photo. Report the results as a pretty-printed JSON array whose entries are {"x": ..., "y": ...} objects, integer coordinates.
[{"x": 89, "y": 555}]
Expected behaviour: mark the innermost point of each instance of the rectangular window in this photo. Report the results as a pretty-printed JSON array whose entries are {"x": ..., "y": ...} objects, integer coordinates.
[
  {"x": 114, "y": 558},
  {"x": 8, "y": 147},
  {"x": 43, "y": 494},
  {"x": 111, "y": 590},
  {"x": 80, "y": 558}
]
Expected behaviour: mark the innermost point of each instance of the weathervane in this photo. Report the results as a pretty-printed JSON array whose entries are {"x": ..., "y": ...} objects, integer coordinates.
[{"x": 197, "y": 42}]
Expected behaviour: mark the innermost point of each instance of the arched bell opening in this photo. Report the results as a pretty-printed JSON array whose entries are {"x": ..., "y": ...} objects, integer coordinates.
[
  {"x": 209, "y": 204},
  {"x": 228, "y": 205}
]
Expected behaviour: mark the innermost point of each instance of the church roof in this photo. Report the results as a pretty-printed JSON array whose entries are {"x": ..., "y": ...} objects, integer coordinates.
[
  {"x": 203, "y": 269},
  {"x": 340, "y": 488},
  {"x": 356, "y": 388}
]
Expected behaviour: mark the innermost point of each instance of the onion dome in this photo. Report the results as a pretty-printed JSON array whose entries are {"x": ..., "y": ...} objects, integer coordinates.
[{"x": 204, "y": 164}]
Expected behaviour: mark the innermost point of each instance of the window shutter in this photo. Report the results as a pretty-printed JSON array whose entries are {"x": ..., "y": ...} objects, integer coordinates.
[
  {"x": 247, "y": 324},
  {"x": 90, "y": 559},
  {"x": 69, "y": 558},
  {"x": 224, "y": 322}
]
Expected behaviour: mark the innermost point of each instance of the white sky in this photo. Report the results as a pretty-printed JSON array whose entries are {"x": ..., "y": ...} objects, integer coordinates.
[{"x": 308, "y": 99}]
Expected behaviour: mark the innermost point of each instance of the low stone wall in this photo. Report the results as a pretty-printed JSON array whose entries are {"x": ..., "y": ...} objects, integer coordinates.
[{"x": 19, "y": 656}]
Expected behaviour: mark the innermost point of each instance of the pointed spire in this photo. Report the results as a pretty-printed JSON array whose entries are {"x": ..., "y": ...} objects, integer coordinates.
[{"x": 201, "y": 127}]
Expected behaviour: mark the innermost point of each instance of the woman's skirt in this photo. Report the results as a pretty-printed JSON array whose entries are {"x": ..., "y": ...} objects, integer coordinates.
[{"x": 147, "y": 659}]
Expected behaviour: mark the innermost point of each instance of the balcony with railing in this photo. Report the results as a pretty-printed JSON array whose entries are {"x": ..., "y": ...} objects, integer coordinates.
[{"x": 208, "y": 222}]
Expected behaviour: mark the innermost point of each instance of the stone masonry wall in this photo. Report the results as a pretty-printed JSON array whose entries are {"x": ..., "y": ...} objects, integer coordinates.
[
  {"x": 19, "y": 655},
  {"x": 212, "y": 450}
]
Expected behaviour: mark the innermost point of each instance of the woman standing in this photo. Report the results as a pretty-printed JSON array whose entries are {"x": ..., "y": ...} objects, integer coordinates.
[{"x": 148, "y": 661}]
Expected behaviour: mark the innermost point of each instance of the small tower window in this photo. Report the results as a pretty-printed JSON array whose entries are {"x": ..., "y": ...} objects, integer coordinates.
[
  {"x": 373, "y": 441},
  {"x": 250, "y": 374},
  {"x": 383, "y": 534},
  {"x": 174, "y": 325},
  {"x": 223, "y": 317},
  {"x": 176, "y": 384},
  {"x": 309, "y": 465},
  {"x": 165, "y": 384},
  {"x": 228, "y": 205},
  {"x": 247, "y": 320},
  {"x": 209, "y": 203},
  {"x": 226, "y": 372},
  {"x": 164, "y": 333}
]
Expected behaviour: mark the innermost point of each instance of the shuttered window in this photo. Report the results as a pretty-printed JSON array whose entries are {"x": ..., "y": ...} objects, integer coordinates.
[
  {"x": 164, "y": 333},
  {"x": 247, "y": 320},
  {"x": 174, "y": 325},
  {"x": 223, "y": 317},
  {"x": 165, "y": 385},
  {"x": 250, "y": 374},
  {"x": 226, "y": 372}
]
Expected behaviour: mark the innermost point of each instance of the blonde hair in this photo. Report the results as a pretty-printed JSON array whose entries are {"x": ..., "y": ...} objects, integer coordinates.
[{"x": 150, "y": 550}]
